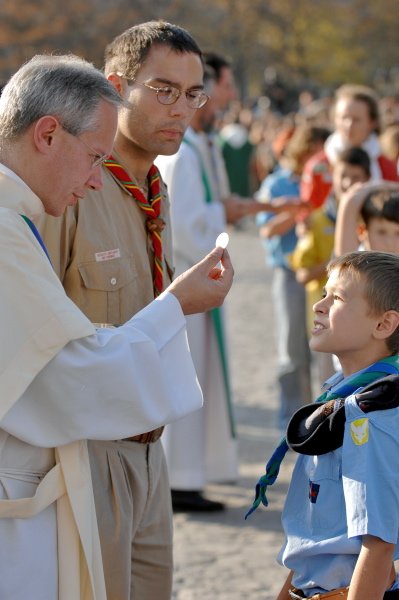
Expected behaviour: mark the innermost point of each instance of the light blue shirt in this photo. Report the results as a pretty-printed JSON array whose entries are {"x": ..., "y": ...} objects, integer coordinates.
[
  {"x": 282, "y": 182},
  {"x": 336, "y": 498}
]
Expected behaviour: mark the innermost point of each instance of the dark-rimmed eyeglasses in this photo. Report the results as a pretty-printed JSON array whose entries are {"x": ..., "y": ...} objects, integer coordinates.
[{"x": 169, "y": 94}]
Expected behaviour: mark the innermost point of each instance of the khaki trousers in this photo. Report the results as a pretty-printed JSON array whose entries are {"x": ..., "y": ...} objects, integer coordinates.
[{"x": 134, "y": 513}]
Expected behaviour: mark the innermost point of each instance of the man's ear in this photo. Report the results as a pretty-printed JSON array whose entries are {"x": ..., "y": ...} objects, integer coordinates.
[
  {"x": 387, "y": 325},
  {"x": 117, "y": 82},
  {"x": 44, "y": 133}
]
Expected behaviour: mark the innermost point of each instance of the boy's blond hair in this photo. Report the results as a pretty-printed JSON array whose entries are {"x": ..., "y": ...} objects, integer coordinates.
[{"x": 380, "y": 273}]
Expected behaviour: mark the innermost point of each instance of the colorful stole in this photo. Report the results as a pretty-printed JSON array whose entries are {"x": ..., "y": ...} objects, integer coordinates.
[
  {"x": 37, "y": 235},
  {"x": 344, "y": 388},
  {"x": 215, "y": 312},
  {"x": 152, "y": 208}
]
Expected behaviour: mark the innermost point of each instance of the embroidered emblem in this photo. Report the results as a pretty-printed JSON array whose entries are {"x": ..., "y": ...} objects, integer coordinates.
[
  {"x": 107, "y": 255},
  {"x": 360, "y": 431},
  {"x": 314, "y": 489}
]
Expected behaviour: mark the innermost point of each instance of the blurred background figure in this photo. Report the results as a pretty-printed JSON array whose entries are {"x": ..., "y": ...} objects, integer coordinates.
[
  {"x": 238, "y": 150},
  {"x": 389, "y": 140},
  {"x": 357, "y": 123},
  {"x": 279, "y": 238},
  {"x": 315, "y": 245}
]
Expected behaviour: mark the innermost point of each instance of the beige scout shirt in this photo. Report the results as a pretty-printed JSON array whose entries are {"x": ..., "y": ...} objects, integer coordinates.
[{"x": 105, "y": 257}]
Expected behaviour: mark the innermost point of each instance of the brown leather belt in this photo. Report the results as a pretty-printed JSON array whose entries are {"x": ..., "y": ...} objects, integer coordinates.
[
  {"x": 342, "y": 593},
  {"x": 338, "y": 594},
  {"x": 146, "y": 438}
]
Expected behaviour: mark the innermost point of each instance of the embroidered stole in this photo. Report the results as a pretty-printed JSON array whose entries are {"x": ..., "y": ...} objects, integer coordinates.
[
  {"x": 36, "y": 233},
  {"x": 152, "y": 209},
  {"x": 215, "y": 313}
]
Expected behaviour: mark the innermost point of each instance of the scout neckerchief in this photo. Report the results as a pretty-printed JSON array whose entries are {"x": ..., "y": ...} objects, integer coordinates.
[
  {"x": 344, "y": 388},
  {"x": 37, "y": 235},
  {"x": 151, "y": 207},
  {"x": 215, "y": 312}
]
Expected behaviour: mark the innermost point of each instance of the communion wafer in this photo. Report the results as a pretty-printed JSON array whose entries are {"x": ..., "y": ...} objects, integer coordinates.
[{"x": 222, "y": 240}]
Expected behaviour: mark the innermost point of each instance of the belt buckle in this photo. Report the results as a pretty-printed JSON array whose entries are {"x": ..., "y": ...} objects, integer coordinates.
[{"x": 293, "y": 595}]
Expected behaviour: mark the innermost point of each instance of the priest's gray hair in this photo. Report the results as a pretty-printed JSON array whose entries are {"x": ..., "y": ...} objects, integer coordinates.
[{"x": 66, "y": 87}]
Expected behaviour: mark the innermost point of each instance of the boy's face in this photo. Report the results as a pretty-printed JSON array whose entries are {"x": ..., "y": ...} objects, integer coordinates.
[
  {"x": 345, "y": 175},
  {"x": 381, "y": 235},
  {"x": 343, "y": 324}
]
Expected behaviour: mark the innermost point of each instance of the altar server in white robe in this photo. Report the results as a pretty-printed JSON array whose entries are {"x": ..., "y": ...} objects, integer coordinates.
[
  {"x": 202, "y": 447},
  {"x": 61, "y": 380}
]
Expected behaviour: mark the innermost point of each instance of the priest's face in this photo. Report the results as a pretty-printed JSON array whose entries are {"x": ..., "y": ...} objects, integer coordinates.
[
  {"x": 74, "y": 163},
  {"x": 146, "y": 127}
]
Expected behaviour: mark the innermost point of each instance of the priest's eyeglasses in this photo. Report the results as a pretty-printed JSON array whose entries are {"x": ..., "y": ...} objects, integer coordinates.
[
  {"x": 96, "y": 159},
  {"x": 170, "y": 94}
]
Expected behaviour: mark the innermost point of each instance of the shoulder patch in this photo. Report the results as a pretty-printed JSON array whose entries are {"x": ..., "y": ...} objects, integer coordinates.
[{"x": 360, "y": 431}]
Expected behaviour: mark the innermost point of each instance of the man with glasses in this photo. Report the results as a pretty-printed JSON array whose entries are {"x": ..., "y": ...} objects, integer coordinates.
[{"x": 113, "y": 253}]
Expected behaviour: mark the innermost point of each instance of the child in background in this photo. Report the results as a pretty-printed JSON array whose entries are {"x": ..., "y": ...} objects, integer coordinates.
[
  {"x": 368, "y": 215},
  {"x": 316, "y": 242},
  {"x": 341, "y": 516},
  {"x": 279, "y": 239}
]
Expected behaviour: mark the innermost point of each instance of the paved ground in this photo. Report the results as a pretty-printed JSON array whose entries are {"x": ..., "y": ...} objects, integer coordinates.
[{"x": 223, "y": 557}]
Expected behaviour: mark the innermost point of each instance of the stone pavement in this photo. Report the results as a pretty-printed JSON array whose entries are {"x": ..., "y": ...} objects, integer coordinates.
[{"x": 220, "y": 556}]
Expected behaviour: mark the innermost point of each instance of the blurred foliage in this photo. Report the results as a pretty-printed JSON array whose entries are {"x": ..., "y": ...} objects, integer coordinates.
[{"x": 317, "y": 44}]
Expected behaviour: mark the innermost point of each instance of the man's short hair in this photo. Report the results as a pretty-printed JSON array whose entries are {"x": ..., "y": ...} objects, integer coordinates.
[
  {"x": 381, "y": 204},
  {"x": 128, "y": 51},
  {"x": 356, "y": 157},
  {"x": 209, "y": 78},
  {"x": 217, "y": 62},
  {"x": 380, "y": 273},
  {"x": 66, "y": 87}
]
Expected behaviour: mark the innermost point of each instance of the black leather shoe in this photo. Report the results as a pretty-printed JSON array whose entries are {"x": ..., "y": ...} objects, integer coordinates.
[{"x": 194, "y": 501}]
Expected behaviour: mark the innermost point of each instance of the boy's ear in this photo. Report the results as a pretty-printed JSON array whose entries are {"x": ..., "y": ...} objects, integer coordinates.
[{"x": 387, "y": 325}]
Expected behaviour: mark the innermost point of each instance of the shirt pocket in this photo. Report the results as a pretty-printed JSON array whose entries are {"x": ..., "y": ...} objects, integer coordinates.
[
  {"x": 106, "y": 285},
  {"x": 325, "y": 494}
]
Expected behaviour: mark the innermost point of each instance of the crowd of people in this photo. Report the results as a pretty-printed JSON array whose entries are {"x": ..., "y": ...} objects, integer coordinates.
[
  {"x": 347, "y": 198},
  {"x": 334, "y": 256},
  {"x": 116, "y": 401}
]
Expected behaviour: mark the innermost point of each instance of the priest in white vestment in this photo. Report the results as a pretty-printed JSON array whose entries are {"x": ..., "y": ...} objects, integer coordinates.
[{"x": 61, "y": 381}]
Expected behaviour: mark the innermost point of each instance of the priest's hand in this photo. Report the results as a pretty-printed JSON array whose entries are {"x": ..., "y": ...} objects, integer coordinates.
[{"x": 206, "y": 284}]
